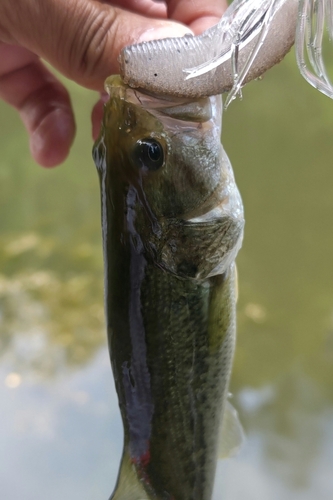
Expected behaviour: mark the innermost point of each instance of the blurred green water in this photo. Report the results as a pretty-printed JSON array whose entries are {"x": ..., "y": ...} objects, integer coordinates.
[{"x": 60, "y": 426}]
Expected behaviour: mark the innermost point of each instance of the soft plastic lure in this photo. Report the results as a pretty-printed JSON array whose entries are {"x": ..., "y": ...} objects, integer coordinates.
[
  {"x": 251, "y": 37},
  {"x": 314, "y": 17}
]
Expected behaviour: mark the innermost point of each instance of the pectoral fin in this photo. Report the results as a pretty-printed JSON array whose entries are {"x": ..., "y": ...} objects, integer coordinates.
[
  {"x": 231, "y": 433},
  {"x": 128, "y": 485}
]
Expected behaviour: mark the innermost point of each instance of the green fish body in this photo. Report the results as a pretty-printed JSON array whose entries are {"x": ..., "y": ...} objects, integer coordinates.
[{"x": 172, "y": 223}]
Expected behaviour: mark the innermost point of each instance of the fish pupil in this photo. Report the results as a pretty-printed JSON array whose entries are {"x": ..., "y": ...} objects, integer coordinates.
[
  {"x": 149, "y": 153},
  {"x": 154, "y": 152}
]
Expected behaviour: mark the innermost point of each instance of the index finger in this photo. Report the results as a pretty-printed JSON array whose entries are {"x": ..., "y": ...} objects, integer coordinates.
[{"x": 196, "y": 14}]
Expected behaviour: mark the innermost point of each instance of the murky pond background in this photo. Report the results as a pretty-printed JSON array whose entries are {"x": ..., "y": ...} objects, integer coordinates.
[{"x": 60, "y": 432}]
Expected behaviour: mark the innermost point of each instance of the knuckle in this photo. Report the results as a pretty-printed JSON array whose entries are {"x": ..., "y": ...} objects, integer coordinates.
[{"x": 94, "y": 41}]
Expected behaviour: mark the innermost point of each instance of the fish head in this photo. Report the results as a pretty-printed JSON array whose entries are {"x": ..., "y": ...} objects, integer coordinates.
[
  {"x": 161, "y": 163},
  {"x": 169, "y": 151}
]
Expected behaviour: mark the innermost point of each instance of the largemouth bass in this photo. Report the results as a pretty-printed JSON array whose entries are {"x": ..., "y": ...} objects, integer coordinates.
[{"x": 172, "y": 222}]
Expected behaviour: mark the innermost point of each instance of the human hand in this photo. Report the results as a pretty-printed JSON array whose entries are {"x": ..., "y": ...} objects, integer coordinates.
[{"x": 82, "y": 39}]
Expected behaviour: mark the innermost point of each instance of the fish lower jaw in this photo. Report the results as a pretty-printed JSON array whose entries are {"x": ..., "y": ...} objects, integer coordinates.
[
  {"x": 228, "y": 260},
  {"x": 231, "y": 205}
]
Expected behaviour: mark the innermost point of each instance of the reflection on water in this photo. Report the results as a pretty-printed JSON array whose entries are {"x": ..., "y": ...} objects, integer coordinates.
[
  {"x": 61, "y": 433},
  {"x": 60, "y": 438},
  {"x": 48, "y": 321},
  {"x": 289, "y": 452}
]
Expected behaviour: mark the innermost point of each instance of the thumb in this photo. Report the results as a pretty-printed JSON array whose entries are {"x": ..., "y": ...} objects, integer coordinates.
[{"x": 80, "y": 38}]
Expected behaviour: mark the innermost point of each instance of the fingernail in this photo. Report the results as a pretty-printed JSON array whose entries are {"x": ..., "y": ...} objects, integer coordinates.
[{"x": 168, "y": 30}]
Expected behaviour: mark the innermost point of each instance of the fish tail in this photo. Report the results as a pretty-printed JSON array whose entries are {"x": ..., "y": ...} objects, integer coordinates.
[{"x": 128, "y": 486}]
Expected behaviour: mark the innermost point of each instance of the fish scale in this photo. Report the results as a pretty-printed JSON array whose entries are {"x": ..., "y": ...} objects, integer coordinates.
[{"x": 189, "y": 396}]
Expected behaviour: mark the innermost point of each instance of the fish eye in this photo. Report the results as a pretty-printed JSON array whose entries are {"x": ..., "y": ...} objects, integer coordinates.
[{"x": 149, "y": 153}]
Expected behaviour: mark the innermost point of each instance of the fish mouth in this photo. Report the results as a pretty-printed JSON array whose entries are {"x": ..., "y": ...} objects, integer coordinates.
[
  {"x": 205, "y": 245},
  {"x": 230, "y": 206},
  {"x": 212, "y": 214}
]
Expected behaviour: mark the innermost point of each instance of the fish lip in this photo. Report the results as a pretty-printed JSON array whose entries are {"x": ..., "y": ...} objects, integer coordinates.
[{"x": 230, "y": 206}]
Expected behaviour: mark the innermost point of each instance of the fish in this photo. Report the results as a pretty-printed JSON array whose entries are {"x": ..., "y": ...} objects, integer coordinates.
[{"x": 172, "y": 225}]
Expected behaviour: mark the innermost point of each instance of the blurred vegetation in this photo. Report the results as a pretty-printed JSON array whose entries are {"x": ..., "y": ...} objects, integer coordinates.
[
  {"x": 279, "y": 140},
  {"x": 51, "y": 281}
]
